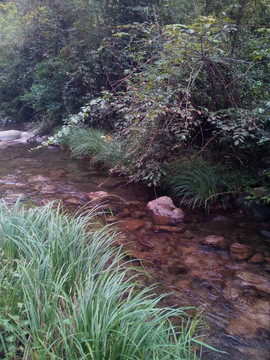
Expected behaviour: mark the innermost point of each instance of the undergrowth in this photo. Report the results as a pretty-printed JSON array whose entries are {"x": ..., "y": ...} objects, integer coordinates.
[
  {"x": 196, "y": 183},
  {"x": 102, "y": 149},
  {"x": 192, "y": 182},
  {"x": 66, "y": 293}
]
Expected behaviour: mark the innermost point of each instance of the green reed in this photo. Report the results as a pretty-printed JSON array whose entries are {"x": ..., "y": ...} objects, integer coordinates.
[{"x": 67, "y": 293}]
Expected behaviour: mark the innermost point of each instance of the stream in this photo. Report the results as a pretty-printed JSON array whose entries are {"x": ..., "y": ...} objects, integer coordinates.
[{"x": 233, "y": 294}]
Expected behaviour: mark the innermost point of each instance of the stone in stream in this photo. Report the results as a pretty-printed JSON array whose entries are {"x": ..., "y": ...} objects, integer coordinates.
[
  {"x": 73, "y": 201},
  {"x": 253, "y": 318},
  {"x": 103, "y": 196},
  {"x": 218, "y": 242},
  {"x": 57, "y": 174},
  {"x": 25, "y": 136},
  {"x": 131, "y": 224},
  {"x": 4, "y": 144},
  {"x": 110, "y": 219},
  {"x": 240, "y": 251},
  {"x": 256, "y": 259},
  {"x": 20, "y": 196},
  {"x": 10, "y": 135},
  {"x": 169, "y": 229},
  {"x": 256, "y": 281},
  {"x": 46, "y": 189},
  {"x": 232, "y": 290},
  {"x": 15, "y": 135},
  {"x": 164, "y": 211},
  {"x": 38, "y": 178}
]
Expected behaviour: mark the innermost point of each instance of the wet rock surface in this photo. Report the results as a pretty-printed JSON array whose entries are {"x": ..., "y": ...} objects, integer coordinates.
[
  {"x": 253, "y": 280},
  {"x": 218, "y": 263},
  {"x": 241, "y": 252},
  {"x": 216, "y": 241},
  {"x": 15, "y": 136},
  {"x": 164, "y": 211}
]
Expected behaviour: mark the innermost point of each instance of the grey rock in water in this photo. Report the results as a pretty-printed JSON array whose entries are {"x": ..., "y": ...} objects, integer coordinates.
[
  {"x": 16, "y": 135},
  {"x": 3, "y": 144},
  {"x": 10, "y": 135},
  {"x": 25, "y": 136}
]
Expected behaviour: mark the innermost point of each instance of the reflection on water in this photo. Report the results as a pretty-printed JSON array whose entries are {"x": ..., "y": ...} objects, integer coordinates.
[
  {"x": 234, "y": 294},
  {"x": 39, "y": 174}
]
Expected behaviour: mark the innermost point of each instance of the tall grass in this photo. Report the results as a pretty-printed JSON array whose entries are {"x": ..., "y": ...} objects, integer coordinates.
[
  {"x": 101, "y": 148},
  {"x": 196, "y": 183},
  {"x": 66, "y": 293}
]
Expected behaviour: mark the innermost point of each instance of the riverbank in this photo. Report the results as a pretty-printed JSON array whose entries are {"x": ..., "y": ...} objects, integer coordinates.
[{"x": 191, "y": 181}]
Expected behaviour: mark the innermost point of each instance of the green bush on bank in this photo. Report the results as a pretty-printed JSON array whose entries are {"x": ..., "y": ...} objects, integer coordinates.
[{"x": 66, "y": 293}]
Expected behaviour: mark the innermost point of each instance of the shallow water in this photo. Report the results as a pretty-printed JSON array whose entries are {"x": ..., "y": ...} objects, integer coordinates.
[{"x": 233, "y": 294}]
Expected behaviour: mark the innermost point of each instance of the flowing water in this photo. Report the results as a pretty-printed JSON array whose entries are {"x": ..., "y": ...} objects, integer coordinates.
[{"x": 233, "y": 294}]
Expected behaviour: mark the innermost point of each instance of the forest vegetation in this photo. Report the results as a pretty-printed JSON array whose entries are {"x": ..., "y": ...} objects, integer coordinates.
[{"x": 172, "y": 93}]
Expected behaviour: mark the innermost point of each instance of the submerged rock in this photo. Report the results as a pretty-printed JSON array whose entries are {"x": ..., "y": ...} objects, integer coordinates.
[
  {"x": 38, "y": 178},
  {"x": 3, "y": 144},
  {"x": 132, "y": 224},
  {"x": 169, "y": 229},
  {"x": 221, "y": 218},
  {"x": 240, "y": 251},
  {"x": 256, "y": 281},
  {"x": 257, "y": 259},
  {"x": 103, "y": 196},
  {"x": 164, "y": 211},
  {"x": 250, "y": 321},
  {"x": 218, "y": 242}
]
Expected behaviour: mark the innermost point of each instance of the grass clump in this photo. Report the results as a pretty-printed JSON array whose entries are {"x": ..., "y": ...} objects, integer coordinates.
[
  {"x": 66, "y": 293},
  {"x": 103, "y": 149},
  {"x": 196, "y": 183}
]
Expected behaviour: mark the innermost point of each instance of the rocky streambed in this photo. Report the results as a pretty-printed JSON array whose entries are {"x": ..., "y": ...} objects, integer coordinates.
[{"x": 219, "y": 263}]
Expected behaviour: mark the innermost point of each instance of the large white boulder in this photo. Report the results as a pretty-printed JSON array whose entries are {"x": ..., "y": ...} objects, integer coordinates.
[
  {"x": 10, "y": 135},
  {"x": 16, "y": 135},
  {"x": 25, "y": 136}
]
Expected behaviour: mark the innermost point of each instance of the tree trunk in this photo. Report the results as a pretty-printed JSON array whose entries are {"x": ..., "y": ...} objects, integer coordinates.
[{"x": 239, "y": 18}]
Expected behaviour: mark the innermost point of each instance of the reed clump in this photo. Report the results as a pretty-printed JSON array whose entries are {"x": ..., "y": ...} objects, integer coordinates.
[{"x": 67, "y": 293}]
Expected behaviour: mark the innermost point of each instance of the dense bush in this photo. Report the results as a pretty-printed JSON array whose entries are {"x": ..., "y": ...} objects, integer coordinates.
[{"x": 190, "y": 95}]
